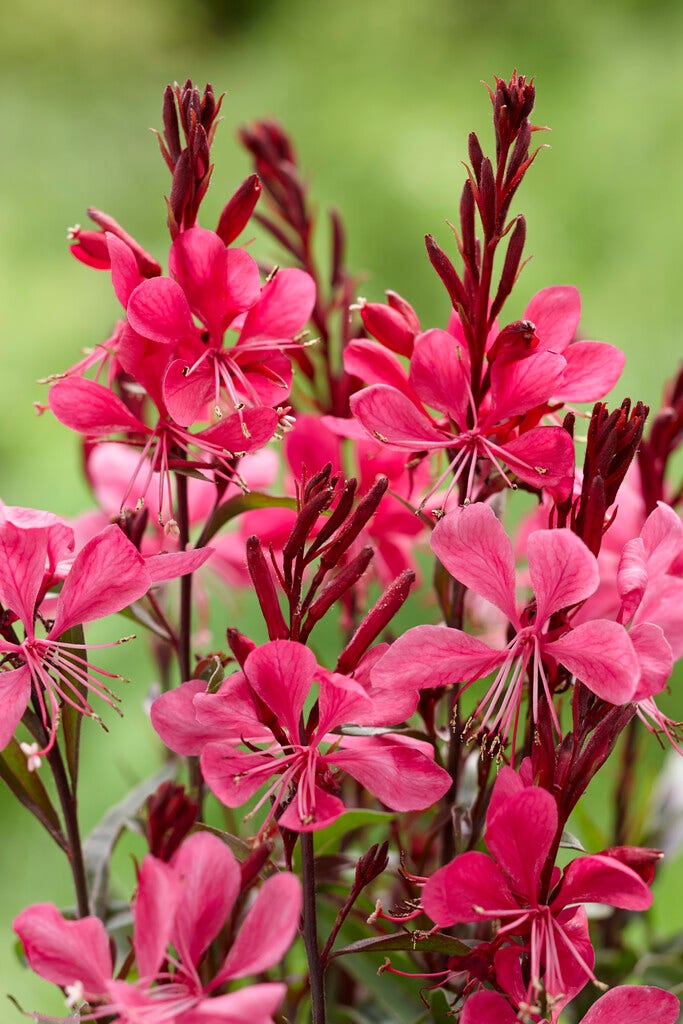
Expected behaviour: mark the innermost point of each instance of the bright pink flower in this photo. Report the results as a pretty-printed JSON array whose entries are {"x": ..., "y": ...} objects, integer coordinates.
[
  {"x": 539, "y": 923},
  {"x": 263, "y": 706},
  {"x": 221, "y": 288},
  {"x": 626, "y": 1004},
  {"x": 439, "y": 377},
  {"x": 106, "y": 576},
  {"x": 95, "y": 411},
  {"x": 472, "y": 544},
  {"x": 184, "y": 905}
]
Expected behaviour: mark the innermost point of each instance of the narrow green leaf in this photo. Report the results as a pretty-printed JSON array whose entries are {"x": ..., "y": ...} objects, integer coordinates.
[
  {"x": 30, "y": 791},
  {"x": 326, "y": 840},
  {"x": 237, "y": 845},
  {"x": 240, "y": 503},
  {"x": 99, "y": 844},
  {"x": 409, "y": 941}
]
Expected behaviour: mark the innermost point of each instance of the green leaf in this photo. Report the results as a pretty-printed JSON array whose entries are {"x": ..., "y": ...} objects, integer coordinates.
[
  {"x": 325, "y": 840},
  {"x": 71, "y": 719},
  {"x": 237, "y": 845},
  {"x": 99, "y": 844},
  {"x": 438, "y": 942},
  {"x": 240, "y": 503},
  {"x": 30, "y": 791},
  {"x": 136, "y": 612}
]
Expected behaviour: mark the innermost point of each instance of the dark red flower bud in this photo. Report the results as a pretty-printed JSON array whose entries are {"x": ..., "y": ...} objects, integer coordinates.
[
  {"x": 240, "y": 645},
  {"x": 375, "y": 621},
  {"x": 447, "y": 272},
  {"x": 238, "y": 209},
  {"x": 266, "y": 593},
  {"x": 170, "y": 816}
]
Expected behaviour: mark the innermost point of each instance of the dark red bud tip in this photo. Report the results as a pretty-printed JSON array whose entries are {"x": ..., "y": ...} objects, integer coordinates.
[
  {"x": 447, "y": 272},
  {"x": 238, "y": 210},
  {"x": 254, "y": 863},
  {"x": 266, "y": 593},
  {"x": 240, "y": 645},
  {"x": 170, "y": 816},
  {"x": 375, "y": 621}
]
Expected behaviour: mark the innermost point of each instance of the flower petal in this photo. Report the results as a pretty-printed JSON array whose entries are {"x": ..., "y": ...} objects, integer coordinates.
[
  {"x": 466, "y": 888},
  {"x": 107, "y": 575},
  {"x": 282, "y": 672},
  {"x": 210, "y": 882},
  {"x": 91, "y": 409},
  {"x": 556, "y": 313},
  {"x": 169, "y": 565},
  {"x": 400, "y": 774},
  {"x": 487, "y": 1007},
  {"x": 600, "y": 879},
  {"x": 174, "y": 719},
  {"x": 15, "y": 693},
  {"x": 472, "y": 544},
  {"x": 22, "y": 570},
  {"x": 159, "y": 893},
  {"x": 634, "y": 1004},
  {"x": 440, "y": 375},
  {"x": 600, "y": 654},
  {"x": 519, "y": 835},
  {"x": 427, "y": 656},
  {"x": 562, "y": 569},
  {"x": 593, "y": 368},
  {"x": 65, "y": 952},
  {"x": 284, "y": 307},
  {"x": 159, "y": 310},
  {"x": 267, "y": 931},
  {"x": 392, "y": 418}
]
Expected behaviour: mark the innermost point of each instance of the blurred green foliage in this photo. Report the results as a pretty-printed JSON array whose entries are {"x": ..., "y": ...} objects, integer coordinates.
[{"x": 379, "y": 98}]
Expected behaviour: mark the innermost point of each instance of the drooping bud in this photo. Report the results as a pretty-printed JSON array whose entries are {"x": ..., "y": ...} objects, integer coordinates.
[{"x": 515, "y": 342}]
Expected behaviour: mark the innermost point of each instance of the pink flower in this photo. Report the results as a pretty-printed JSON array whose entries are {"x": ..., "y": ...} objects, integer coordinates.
[
  {"x": 472, "y": 544},
  {"x": 184, "y": 905},
  {"x": 106, "y": 576},
  {"x": 538, "y": 919},
  {"x": 263, "y": 706},
  {"x": 626, "y": 1004},
  {"x": 221, "y": 288},
  {"x": 439, "y": 379}
]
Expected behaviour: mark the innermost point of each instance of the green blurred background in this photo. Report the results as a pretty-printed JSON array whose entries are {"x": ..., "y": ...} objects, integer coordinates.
[{"x": 379, "y": 97}]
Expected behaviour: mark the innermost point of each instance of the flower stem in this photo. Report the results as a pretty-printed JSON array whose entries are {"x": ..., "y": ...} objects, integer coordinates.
[
  {"x": 185, "y": 626},
  {"x": 315, "y": 968},
  {"x": 68, "y": 803}
]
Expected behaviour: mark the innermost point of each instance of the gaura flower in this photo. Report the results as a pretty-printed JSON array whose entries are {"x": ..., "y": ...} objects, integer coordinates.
[
  {"x": 472, "y": 544},
  {"x": 182, "y": 905},
  {"x": 262, "y": 708},
  {"x": 538, "y": 920}
]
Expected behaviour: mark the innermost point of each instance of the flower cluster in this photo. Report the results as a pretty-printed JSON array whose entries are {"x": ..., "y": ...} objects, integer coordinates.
[{"x": 318, "y": 449}]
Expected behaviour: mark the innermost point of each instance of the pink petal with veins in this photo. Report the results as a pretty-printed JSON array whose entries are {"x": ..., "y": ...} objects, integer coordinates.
[
  {"x": 556, "y": 313},
  {"x": 158, "y": 896},
  {"x": 470, "y": 881},
  {"x": 600, "y": 654},
  {"x": 282, "y": 672},
  {"x": 563, "y": 571},
  {"x": 593, "y": 368},
  {"x": 599, "y": 879},
  {"x": 174, "y": 719},
  {"x": 634, "y": 1004},
  {"x": 472, "y": 544},
  {"x": 440, "y": 375},
  {"x": 64, "y": 952},
  {"x": 125, "y": 275},
  {"x": 391, "y": 417},
  {"x": 107, "y": 575},
  {"x": 15, "y": 693},
  {"x": 427, "y": 656},
  {"x": 210, "y": 881},
  {"x": 158, "y": 310},
  {"x": 267, "y": 931},
  {"x": 402, "y": 776},
  {"x": 520, "y": 834},
  {"x": 91, "y": 409},
  {"x": 284, "y": 307}
]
